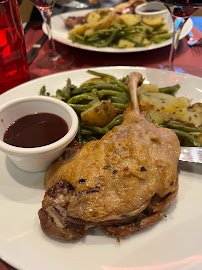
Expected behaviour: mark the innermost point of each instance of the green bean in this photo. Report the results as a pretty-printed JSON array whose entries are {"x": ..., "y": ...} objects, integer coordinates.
[
  {"x": 98, "y": 85},
  {"x": 80, "y": 98},
  {"x": 102, "y": 38},
  {"x": 101, "y": 75},
  {"x": 124, "y": 79},
  {"x": 87, "y": 87},
  {"x": 94, "y": 92},
  {"x": 79, "y": 134},
  {"x": 87, "y": 84},
  {"x": 118, "y": 99},
  {"x": 137, "y": 44},
  {"x": 115, "y": 122},
  {"x": 169, "y": 89},
  {"x": 43, "y": 92},
  {"x": 79, "y": 108},
  {"x": 161, "y": 37},
  {"x": 147, "y": 27},
  {"x": 86, "y": 131},
  {"x": 108, "y": 86},
  {"x": 107, "y": 31},
  {"x": 111, "y": 35},
  {"x": 157, "y": 32},
  {"x": 110, "y": 39},
  {"x": 183, "y": 127},
  {"x": 120, "y": 84},
  {"x": 75, "y": 37},
  {"x": 140, "y": 26},
  {"x": 93, "y": 38},
  {"x": 96, "y": 130},
  {"x": 119, "y": 105},
  {"x": 190, "y": 138},
  {"x": 89, "y": 130},
  {"x": 104, "y": 34},
  {"x": 121, "y": 34},
  {"x": 103, "y": 93},
  {"x": 66, "y": 91},
  {"x": 131, "y": 30},
  {"x": 89, "y": 138}
]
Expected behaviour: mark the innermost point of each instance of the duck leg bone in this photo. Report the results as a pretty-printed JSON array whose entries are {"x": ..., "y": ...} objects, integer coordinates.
[{"x": 134, "y": 80}]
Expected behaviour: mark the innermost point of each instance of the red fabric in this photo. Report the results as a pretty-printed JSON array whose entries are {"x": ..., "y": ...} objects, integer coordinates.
[{"x": 185, "y": 57}]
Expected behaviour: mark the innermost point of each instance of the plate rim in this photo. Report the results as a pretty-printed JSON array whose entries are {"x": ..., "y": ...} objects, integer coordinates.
[{"x": 100, "y": 67}]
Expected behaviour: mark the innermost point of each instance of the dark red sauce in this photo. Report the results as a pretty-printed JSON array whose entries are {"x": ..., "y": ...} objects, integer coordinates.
[{"x": 36, "y": 130}]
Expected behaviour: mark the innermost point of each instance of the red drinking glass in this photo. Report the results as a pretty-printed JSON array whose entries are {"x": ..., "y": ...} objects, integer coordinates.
[
  {"x": 13, "y": 58},
  {"x": 180, "y": 11}
]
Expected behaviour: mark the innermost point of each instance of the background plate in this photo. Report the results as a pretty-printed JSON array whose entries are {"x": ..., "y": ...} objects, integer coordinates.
[
  {"x": 60, "y": 33},
  {"x": 173, "y": 243}
]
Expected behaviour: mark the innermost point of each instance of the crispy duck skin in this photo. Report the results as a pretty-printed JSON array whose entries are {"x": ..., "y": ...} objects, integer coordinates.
[{"x": 121, "y": 183}]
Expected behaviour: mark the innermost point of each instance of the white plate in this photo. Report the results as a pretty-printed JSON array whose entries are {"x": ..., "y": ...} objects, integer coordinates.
[
  {"x": 172, "y": 243},
  {"x": 60, "y": 33}
]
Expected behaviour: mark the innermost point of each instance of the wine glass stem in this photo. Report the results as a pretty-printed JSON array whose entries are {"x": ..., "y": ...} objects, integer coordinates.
[
  {"x": 178, "y": 23},
  {"x": 46, "y": 15}
]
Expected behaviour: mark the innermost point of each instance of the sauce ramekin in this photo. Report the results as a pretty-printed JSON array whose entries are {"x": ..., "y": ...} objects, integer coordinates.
[
  {"x": 38, "y": 158},
  {"x": 159, "y": 10}
]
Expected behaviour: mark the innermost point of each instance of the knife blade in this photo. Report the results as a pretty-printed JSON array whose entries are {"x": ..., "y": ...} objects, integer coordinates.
[
  {"x": 191, "y": 154},
  {"x": 31, "y": 55}
]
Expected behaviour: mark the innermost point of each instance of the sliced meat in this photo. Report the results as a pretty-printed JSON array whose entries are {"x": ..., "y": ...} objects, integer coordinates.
[{"x": 71, "y": 21}]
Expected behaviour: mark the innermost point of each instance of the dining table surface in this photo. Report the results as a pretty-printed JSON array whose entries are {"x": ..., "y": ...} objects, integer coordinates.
[{"x": 186, "y": 58}]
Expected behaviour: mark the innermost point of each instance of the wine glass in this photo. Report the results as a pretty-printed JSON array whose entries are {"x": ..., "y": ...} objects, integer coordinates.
[
  {"x": 53, "y": 59},
  {"x": 180, "y": 11}
]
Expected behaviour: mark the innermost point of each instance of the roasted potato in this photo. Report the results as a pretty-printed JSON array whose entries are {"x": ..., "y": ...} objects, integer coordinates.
[
  {"x": 196, "y": 107},
  {"x": 153, "y": 21},
  {"x": 94, "y": 22},
  {"x": 161, "y": 101},
  {"x": 128, "y": 19},
  {"x": 93, "y": 17},
  {"x": 148, "y": 88},
  {"x": 157, "y": 117},
  {"x": 100, "y": 114},
  {"x": 123, "y": 43},
  {"x": 189, "y": 117},
  {"x": 79, "y": 29},
  {"x": 105, "y": 22}
]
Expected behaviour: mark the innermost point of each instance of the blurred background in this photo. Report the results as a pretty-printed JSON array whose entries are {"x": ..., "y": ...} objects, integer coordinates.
[{"x": 30, "y": 13}]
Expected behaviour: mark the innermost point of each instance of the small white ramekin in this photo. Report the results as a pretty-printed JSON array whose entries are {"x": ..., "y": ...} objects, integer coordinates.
[
  {"x": 160, "y": 10},
  {"x": 38, "y": 158}
]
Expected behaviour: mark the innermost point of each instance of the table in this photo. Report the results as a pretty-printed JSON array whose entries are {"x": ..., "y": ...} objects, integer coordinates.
[{"x": 185, "y": 58}]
